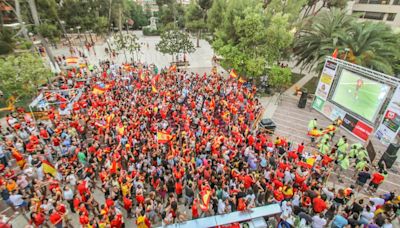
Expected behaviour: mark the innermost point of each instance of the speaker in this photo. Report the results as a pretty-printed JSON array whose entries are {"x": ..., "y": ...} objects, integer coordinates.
[
  {"x": 303, "y": 100},
  {"x": 392, "y": 149},
  {"x": 388, "y": 159}
]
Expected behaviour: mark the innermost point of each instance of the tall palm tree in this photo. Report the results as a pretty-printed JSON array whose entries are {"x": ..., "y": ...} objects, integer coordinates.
[
  {"x": 368, "y": 44},
  {"x": 319, "y": 36},
  {"x": 372, "y": 45}
]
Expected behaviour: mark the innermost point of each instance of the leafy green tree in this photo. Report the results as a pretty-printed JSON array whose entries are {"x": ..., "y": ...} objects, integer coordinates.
[
  {"x": 215, "y": 15},
  {"x": 249, "y": 37},
  {"x": 174, "y": 42},
  {"x": 319, "y": 36},
  {"x": 372, "y": 45},
  {"x": 126, "y": 42},
  {"x": 138, "y": 15},
  {"x": 368, "y": 44},
  {"x": 50, "y": 31},
  {"x": 290, "y": 8},
  {"x": 195, "y": 20},
  {"x": 20, "y": 75},
  {"x": 7, "y": 43},
  {"x": 279, "y": 78}
]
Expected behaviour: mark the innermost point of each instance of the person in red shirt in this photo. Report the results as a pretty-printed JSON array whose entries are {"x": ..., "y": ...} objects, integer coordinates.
[
  {"x": 55, "y": 219},
  {"x": 377, "y": 179},
  {"x": 178, "y": 189},
  {"x": 83, "y": 219},
  {"x": 248, "y": 181},
  {"x": 37, "y": 219},
  {"x": 319, "y": 204},
  {"x": 128, "y": 206}
]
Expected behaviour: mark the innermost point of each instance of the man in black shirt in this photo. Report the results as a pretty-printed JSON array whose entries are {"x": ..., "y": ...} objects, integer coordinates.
[{"x": 362, "y": 178}]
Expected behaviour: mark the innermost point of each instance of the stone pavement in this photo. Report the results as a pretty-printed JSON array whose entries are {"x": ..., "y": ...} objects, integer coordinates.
[{"x": 201, "y": 58}]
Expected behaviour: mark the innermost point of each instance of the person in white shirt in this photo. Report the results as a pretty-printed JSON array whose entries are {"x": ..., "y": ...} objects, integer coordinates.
[
  {"x": 318, "y": 221},
  {"x": 221, "y": 207},
  {"x": 18, "y": 201}
]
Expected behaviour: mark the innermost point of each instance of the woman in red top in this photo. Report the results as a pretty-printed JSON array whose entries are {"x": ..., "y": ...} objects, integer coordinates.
[
  {"x": 55, "y": 219},
  {"x": 37, "y": 219}
]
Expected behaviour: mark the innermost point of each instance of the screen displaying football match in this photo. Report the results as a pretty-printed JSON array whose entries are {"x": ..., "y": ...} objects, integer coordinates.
[{"x": 359, "y": 94}]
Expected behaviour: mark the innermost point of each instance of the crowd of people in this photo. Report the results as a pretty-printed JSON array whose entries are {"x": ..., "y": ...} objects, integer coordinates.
[{"x": 162, "y": 148}]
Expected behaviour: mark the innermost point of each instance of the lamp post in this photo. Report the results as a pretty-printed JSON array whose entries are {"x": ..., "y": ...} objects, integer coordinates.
[
  {"x": 346, "y": 52},
  {"x": 62, "y": 23},
  {"x": 79, "y": 36}
]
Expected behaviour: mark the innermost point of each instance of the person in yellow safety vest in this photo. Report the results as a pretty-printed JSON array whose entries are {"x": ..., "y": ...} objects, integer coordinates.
[
  {"x": 325, "y": 138},
  {"x": 331, "y": 130},
  {"x": 312, "y": 124},
  {"x": 324, "y": 148}
]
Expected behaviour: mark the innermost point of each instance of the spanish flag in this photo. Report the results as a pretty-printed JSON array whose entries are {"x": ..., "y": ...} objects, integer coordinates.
[
  {"x": 205, "y": 200},
  {"x": 335, "y": 53},
  {"x": 154, "y": 89},
  {"x": 241, "y": 80},
  {"x": 18, "y": 158},
  {"x": 99, "y": 90},
  {"x": 163, "y": 137},
  {"x": 71, "y": 60},
  {"x": 172, "y": 68},
  {"x": 48, "y": 168},
  {"x": 127, "y": 67},
  {"x": 233, "y": 74}
]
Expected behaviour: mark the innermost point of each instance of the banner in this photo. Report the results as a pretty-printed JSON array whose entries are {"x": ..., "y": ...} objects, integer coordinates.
[
  {"x": 390, "y": 124},
  {"x": 326, "y": 79},
  {"x": 328, "y": 109},
  {"x": 357, "y": 127}
]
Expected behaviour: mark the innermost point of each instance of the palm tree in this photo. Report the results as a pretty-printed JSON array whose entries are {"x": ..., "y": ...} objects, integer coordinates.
[
  {"x": 319, "y": 36},
  {"x": 372, "y": 45},
  {"x": 369, "y": 44}
]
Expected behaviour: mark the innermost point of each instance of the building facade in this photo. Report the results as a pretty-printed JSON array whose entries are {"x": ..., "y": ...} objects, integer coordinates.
[{"x": 387, "y": 11}]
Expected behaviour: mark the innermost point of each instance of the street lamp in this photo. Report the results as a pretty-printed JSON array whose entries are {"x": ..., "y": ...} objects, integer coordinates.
[
  {"x": 345, "y": 55},
  {"x": 79, "y": 36}
]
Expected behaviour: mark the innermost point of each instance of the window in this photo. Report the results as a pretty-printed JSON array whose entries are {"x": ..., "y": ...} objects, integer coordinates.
[
  {"x": 391, "y": 16},
  {"x": 396, "y": 2},
  {"x": 374, "y": 15}
]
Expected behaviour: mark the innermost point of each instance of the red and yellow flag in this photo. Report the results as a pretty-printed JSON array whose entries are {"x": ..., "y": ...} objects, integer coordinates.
[
  {"x": 71, "y": 60},
  {"x": 172, "y": 68},
  {"x": 98, "y": 90},
  {"x": 163, "y": 137},
  {"x": 154, "y": 89},
  {"x": 241, "y": 80},
  {"x": 233, "y": 74},
  {"x": 205, "y": 200},
  {"x": 18, "y": 158},
  {"x": 335, "y": 53},
  {"x": 48, "y": 168}
]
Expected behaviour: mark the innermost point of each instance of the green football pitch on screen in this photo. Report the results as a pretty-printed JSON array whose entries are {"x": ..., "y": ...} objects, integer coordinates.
[{"x": 359, "y": 94}]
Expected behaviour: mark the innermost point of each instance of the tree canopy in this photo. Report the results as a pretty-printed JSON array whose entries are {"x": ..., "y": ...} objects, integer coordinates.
[
  {"x": 174, "y": 42},
  {"x": 20, "y": 75},
  {"x": 368, "y": 44}
]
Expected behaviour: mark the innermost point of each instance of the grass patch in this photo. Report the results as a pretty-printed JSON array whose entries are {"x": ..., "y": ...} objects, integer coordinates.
[
  {"x": 311, "y": 85},
  {"x": 296, "y": 77}
]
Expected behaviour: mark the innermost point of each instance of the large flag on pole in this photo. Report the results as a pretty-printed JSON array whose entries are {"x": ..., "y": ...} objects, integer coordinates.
[{"x": 335, "y": 53}]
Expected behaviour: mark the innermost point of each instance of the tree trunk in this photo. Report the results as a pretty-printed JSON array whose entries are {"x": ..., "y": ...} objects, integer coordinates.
[
  {"x": 109, "y": 17},
  {"x": 120, "y": 30},
  {"x": 198, "y": 38},
  {"x": 19, "y": 17},
  {"x": 32, "y": 6}
]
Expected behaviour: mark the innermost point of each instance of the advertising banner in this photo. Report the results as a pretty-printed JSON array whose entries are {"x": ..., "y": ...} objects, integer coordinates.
[
  {"x": 357, "y": 127},
  {"x": 390, "y": 124},
  {"x": 326, "y": 79}
]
